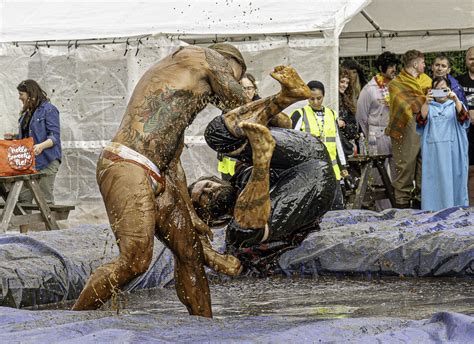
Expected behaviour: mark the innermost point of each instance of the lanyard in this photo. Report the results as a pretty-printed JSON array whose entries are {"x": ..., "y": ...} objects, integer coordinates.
[{"x": 320, "y": 122}]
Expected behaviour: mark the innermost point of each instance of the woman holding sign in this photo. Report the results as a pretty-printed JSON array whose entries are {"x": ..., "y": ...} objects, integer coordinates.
[{"x": 39, "y": 119}]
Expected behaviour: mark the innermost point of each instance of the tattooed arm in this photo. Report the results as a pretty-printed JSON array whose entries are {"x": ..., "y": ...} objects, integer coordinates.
[{"x": 228, "y": 93}]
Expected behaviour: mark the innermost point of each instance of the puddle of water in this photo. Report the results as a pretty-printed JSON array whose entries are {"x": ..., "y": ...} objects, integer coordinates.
[{"x": 315, "y": 298}]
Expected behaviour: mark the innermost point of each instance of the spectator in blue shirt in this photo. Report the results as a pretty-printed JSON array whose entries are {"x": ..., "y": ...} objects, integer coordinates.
[{"x": 39, "y": 119}]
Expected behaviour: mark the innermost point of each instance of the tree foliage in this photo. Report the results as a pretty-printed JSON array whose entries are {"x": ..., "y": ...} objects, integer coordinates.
[{"x": 458, "y": 66}]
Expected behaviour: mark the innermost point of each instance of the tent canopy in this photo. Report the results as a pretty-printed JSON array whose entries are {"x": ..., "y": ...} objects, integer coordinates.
[
  {"x": 369, "y": 27},
  {"x": 419, "y": 15},
  {"x": 426, "y": 25},
  {"x": 71, "y": 20}
]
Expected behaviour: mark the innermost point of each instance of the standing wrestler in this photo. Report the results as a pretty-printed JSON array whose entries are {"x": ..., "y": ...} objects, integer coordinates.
[{"x": 140, "y": 176}]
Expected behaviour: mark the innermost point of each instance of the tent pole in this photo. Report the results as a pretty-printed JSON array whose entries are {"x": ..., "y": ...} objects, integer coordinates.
[{"x": 376, "y": 27}]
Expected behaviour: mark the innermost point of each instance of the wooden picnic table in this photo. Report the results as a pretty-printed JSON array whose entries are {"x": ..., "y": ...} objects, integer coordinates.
[
  {"x": 15, "y": 214},
  {"x": 366, "y": 163}
]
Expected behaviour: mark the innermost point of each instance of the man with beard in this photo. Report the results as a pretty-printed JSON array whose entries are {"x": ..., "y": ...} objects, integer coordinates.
[
  {"x": 407, "y": 95},
  {"x": 277, "y": 196},
  {"x": 140, "y": 175}
]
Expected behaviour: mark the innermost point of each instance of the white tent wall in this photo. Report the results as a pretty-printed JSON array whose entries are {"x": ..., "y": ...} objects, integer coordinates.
[
  {"x": 313, "y": 58},
  {"x": 91, "y": 84}
]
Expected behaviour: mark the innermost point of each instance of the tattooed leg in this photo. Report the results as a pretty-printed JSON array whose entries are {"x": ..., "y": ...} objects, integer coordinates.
[
  {"x": 253, "y": 207},
  {"x": 293, "y": 89}
]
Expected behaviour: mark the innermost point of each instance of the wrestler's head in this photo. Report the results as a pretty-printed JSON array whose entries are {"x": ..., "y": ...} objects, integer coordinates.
[
  {"x": 231, "y": 53},
  {"x": 212, "y": 197}
]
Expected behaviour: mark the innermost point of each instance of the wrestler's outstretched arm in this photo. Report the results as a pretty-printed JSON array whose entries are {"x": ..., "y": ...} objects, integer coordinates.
[
  {"x": 261, "y": 111},
  {"x": 228, "y": 93},
  {"x": 280, "y": 120},
  {"x": 180, "y": 181},
  {"x": 224, "y": 263}
]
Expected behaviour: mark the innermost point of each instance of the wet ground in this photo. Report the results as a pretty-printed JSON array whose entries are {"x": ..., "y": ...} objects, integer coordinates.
[{"x": 315, "y": 298}]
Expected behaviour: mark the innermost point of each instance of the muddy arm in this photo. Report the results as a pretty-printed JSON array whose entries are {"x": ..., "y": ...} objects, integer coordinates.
[
  {"x": 179, "y": 179},
  {"x": 280, "y": 120},
  {"x": 223, "y": 263},
  {"x": 228, "y": 93}
]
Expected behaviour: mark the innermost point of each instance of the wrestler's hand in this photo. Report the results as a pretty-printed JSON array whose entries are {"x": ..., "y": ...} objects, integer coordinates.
[{"x": 200, "y": 227}]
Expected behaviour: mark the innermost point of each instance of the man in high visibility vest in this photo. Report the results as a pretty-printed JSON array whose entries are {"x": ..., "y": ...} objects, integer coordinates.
[{"x": 321, "y": 122}]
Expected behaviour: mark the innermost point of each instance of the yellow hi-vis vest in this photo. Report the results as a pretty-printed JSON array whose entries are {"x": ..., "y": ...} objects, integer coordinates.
[
  {"x": 311, "y": 124},
  {"x": 226, "y": 165}
]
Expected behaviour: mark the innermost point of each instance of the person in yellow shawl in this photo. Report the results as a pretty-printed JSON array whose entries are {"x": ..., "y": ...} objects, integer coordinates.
[{"x": 407, "y": 95}]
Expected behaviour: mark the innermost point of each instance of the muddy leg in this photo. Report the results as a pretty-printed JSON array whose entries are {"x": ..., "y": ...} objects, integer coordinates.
[
  {"x": 175, "y": 229},
  {"x": 253, "y": 207},
  {"x": 293, "y": 89},
  {"x": 132, "y": 218}
]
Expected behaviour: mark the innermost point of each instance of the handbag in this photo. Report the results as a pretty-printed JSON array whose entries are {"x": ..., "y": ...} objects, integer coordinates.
[{"x": 17, "y": 157}]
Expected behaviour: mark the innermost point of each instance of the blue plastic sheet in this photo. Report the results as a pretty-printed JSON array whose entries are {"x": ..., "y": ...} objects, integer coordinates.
[
  {"x": 106, "y": 327},
  {"x": 46, "y": 267},
  {"x": 394, "y": 242}
]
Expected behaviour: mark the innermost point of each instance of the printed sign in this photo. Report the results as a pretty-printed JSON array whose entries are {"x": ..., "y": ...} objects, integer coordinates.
[{"x": 17, "y": 157}]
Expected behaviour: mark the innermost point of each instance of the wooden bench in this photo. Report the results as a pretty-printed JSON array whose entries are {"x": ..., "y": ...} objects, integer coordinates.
[
  {"x": 15, "y": 214},
  {"x": 58, "y": 212}
]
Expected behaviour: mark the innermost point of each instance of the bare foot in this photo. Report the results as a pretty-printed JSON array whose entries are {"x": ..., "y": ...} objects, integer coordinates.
[
  {"x": 292, "y": 86},
  {"x": 253, "y": 207},
  {"x": 223, "y": 263}
]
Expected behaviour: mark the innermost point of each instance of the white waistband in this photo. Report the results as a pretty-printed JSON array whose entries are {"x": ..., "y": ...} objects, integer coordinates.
[{"x": 128, "y": 153}]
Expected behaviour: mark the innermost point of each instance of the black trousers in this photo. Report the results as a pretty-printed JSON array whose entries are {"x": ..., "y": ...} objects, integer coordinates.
[{"x": 302, "y": 187}]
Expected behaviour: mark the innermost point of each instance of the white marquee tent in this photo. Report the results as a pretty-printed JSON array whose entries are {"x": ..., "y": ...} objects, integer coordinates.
[
  {"x": 429, "y": 26},
  {"x": 88, "y": 56}
]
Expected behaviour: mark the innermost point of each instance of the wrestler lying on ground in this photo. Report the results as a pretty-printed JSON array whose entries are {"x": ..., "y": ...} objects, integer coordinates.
[
  {"x": 275, "y": 199},
  {"x": 140, "y": 176}
]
